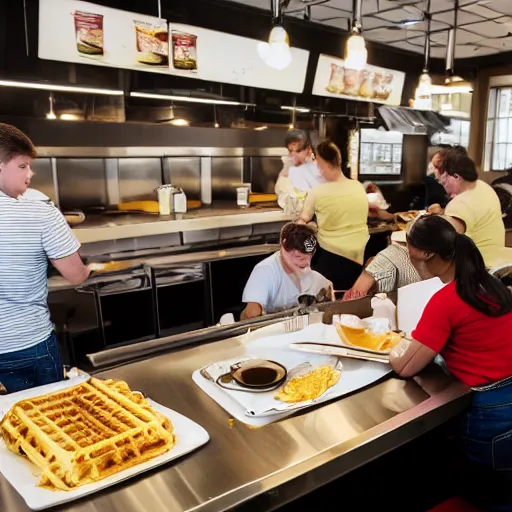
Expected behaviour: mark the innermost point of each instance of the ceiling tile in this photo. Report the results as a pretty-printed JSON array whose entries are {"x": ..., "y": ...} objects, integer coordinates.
[
  {"x": 371, "y": 22},
  {"x": 399, "y": 14},
  {"x": 482, "y": 11},
  {"x": 383, "y": 35},
  {"x": 489, "y": 29},
  {"x": 503, "y": 45},
  {"x": 502, "y": 6},
  {"x": 345, "y": 5},
  {"x": 440, "y": 5},
  {"x": 407, "y": 47},
  {"x": 320, "y": 12},
  {"x": 463, "y": 18}
]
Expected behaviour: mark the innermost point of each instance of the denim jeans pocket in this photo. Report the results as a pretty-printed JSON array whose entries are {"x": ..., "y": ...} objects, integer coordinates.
[{"x": 502, "y": 452}]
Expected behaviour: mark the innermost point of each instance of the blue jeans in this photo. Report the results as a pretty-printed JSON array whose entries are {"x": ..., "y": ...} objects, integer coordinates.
[
  {"x": 487, "y": 443},
  {"x": 31, "y": 367}
]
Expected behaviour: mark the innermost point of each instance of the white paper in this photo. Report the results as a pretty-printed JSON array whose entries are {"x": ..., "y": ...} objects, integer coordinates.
[
  {"x": 24, "y": 476},
  {"x": 253, "y": 408},
  {"x": 412, "y": 300}
]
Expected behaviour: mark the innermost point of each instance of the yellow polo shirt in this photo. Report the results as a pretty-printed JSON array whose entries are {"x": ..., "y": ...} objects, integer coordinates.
[
  {"x": 479, "y": 208},
  {"x": 341, "y": 209}
]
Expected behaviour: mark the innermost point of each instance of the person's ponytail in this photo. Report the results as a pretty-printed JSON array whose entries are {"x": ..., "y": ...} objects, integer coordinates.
[{"x": 474, "y": 284}]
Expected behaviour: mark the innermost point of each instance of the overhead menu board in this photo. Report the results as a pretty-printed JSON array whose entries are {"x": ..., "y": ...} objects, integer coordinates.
[
  {"x": 87, "y": 33},
  {"x": 374, "y": 84}
]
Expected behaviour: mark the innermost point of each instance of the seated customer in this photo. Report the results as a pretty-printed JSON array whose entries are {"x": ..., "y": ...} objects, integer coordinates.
[
  {"x": 475, "y": 206},
  {"x": 389, "y": 270},
  {"x": 278, "y": 281},
  {"x": 468, "y": 322}
]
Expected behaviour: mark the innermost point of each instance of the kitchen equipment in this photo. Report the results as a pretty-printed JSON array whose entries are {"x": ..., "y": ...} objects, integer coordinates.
[
  {"x": 171, "y": 199},
  {"x": 242, "y": 195}
]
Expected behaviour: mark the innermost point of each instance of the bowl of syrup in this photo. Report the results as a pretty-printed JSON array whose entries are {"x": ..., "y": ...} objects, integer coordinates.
[{"x": 258, "y": 374}]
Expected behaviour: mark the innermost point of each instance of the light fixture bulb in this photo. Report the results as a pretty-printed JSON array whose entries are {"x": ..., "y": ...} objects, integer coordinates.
[
  {"x": 276, "y": 53},
  {"x": 356, "y": 53},
  {"x": 216, "y": 125},
  {"x": 178, "y": 121}
]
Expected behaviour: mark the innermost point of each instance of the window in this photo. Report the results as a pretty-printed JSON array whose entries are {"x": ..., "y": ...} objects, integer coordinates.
[{"x": 498, "y": 133}]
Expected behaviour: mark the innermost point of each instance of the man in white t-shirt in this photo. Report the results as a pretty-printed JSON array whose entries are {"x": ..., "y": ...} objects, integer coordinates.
[
  {"x": 300, "y": 172},
  {"x": 32, "y": 231},
  {"x": 278, "y": 281}
]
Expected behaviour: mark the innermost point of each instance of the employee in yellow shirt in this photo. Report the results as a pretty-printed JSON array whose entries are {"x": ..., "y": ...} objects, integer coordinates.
[
  {"x": 475, "y": 206},
  {"x": 341, "y": 208}
]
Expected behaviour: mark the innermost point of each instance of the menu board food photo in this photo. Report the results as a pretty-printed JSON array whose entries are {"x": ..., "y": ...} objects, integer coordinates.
[
  {"x": 98, "y": 35},
  {"x": 372, "y": 84}
]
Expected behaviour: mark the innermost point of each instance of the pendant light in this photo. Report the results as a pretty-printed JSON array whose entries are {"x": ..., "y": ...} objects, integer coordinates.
[
  {"x": 356, "y": 54},
  {"x": 455, "y": 83},
  {"x": 51, "y": 113},
  {"x": 276, "y": 53},
  {"x": 423, "y": 96}
]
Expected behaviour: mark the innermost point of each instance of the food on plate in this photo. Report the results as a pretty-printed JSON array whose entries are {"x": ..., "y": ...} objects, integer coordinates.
[
  {"x": 360, "y": 336},
  {"x": 86, "y": 433},
  {"x": 139, "y": 206},
  {"x": 309, "y": 386},
  {"x": 184, "y": 51},
  {"x": 110, "y": 266},
  {"x": 89, "y": 33},
  {"x": 152, "y": 43}
]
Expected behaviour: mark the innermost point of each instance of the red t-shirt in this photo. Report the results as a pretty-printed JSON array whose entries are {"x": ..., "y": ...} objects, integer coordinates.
[{"x": 476, "y": 348}]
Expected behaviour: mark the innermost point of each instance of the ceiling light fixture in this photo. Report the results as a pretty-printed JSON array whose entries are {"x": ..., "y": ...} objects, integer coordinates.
[
  {"x": 276, "y": 53},
  {"x": 356, "y": 53},
  {"x": 452, "y": 80},
  {"x": 176, "y": 121},
  {"x": 301, "y": 110},
  {"x": 423, "y": 95},
  {"x": 60, "y": 88},
  {"x": 68, "y": 117},
  {"x": 189, "y": 99},
  {"x": 51, "y": 114}
]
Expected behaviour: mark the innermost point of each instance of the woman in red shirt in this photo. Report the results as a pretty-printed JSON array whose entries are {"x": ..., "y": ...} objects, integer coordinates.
[{"x": 469, "y": 323}]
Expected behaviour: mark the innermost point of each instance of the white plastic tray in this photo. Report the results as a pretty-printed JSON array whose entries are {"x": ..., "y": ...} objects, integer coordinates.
[
  {"x": 24, "y": 476},
  {"x": 355, "y": 375}
]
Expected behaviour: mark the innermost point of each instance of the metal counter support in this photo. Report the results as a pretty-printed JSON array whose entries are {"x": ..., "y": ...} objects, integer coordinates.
[{"x": 267, "y": 466}]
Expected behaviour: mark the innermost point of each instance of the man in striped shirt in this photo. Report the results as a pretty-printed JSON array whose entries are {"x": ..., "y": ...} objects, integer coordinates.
[{"x": 31, "y": 233}]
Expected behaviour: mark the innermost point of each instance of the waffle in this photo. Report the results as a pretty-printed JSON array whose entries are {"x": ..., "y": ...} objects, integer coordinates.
[{"x": 86, "y": 433}]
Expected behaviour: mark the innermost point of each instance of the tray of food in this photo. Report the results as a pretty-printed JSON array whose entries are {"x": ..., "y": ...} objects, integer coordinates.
[
  {"x": 67, "y": 440},
  {"x": 254, "y": 389}
]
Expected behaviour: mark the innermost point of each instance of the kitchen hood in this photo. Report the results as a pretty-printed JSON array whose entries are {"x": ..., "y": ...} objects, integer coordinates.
[{"x": 414, "y": 122}]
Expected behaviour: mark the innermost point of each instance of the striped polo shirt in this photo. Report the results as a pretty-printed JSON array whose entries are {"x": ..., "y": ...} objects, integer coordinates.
[{"x": 31, "y": 232}]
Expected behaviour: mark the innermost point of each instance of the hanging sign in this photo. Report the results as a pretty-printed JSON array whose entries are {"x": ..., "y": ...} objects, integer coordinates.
[
  {"x": 374, "y": 84},
  {"x": 87, "y": 33}
]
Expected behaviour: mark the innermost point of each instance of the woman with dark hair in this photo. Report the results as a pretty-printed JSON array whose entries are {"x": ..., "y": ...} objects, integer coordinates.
[
  {"x": 469, "y": 323},
  {"x": 475, "y": 206},
  {"x": 341, "y": 209}
]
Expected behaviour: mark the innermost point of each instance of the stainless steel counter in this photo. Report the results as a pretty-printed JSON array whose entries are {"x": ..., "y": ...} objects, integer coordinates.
[
  {"x": 99, "y": 228},
  {"x": 272, "y": 464}
]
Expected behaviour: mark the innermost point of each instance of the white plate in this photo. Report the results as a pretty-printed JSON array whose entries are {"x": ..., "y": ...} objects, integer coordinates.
[{"x": 24, "y": 476}]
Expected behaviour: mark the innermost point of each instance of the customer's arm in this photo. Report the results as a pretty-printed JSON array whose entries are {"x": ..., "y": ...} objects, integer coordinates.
[
  {"x": 308, "y": 211},
  {"x": 409, "y": 357},
  {"x": 61, "y": 247}
]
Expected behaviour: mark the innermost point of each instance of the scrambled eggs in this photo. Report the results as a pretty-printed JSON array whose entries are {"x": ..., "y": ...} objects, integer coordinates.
[{"x": 309, "y": 386}]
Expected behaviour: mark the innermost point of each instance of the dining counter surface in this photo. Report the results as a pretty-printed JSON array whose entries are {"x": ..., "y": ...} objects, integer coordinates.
[{"x": 268, "y": 466}]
